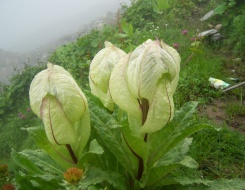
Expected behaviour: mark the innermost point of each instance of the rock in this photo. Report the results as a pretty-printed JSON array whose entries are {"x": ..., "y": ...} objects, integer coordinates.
[
  {"x": 216, "y": 37},
  {"x": 213, "y": 34},
  {"x": 207, "y": 16},
  {"x": 208, "y": 33},
  {"x": 218, "y": 27}
]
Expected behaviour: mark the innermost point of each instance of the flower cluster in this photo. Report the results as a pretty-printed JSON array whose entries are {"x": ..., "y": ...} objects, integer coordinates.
[
  {"x": 21, "y": 115},
  {"x": 184, "y": 32},
  {"x": 8, "y": 187},
  {"x": 73, "y": 175},
  {"x": 176, "y": 46},
  {"x": 142, "y": 84},
  {"x": 56, "y": 98},
  {"x": 3, "y": 169}
]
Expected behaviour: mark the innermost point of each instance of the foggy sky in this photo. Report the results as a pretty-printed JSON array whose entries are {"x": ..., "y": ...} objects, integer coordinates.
[{"x": 26, "y": 24}]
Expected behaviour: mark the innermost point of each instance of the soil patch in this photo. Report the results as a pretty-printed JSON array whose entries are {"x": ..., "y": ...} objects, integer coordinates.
[{"x": 216, "y": 111}]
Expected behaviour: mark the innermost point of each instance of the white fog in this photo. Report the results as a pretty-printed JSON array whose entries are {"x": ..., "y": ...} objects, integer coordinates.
[{"x": 27, "y": 24}]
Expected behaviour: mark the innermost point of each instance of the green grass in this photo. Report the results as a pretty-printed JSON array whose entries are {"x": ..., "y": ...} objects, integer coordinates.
[
  {"x": 220, "y": 154},
  {"x": 235, "y": 109}
]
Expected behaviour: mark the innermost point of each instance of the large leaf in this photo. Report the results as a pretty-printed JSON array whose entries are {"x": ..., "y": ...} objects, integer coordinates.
[
  {"x": 42, "y": 160},
  {"x": 96, "y": 176},
  {"x": 25, "y": 163},
  {"x": 109, "y": 131},
  {"x": 225, "y": 184},
  {"x": 137, "y": 144},
  {"x": 202, "y": 184},
  {"x": 25, "y": 183},
  {"x": 36, "y": 182},
  {"x": 168, "y": 146},
  {"x": 157, "y": 175},
  {"x": 56, "y": 152},
  {"x": 176, "y": 154},
  {"x": 41, "y": 171},
  {"x": 174, "y": 132}
]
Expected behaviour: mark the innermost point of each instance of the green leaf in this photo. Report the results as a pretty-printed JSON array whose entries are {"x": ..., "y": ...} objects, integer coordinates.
[
  {"x": 183, "y": 180},
  {"x": 225, "y": 184},
  {"x": 36, "y": 182},
  {"x": 94, "y": 147},
  {"x": 176, "y": 155},
  {"x": 42, "y": 171},
  {"x": 120, "y": 35},
  {"x": 202, "y": 184},
  {"x": 96, "y": 175},
  {"x": 127, "y": 28},
  {"x": 175, "y": 141},
  {"x": 157, "y": 175},
  {"x": 90, "y": 157},
  {"x": 189, "y": 162},
  {"x": 182, "y": 119},
  {"x": 24, "y": 182},
  {"x": 195, "y": 44},
  {"x": 137, "y": 144},
  {"x": 109, "y": 131},
  {"x": 163, "y": 4},
  {"x": 42, "y": 160},
  {"x": 25, "y": 163},
  {"x": 56, "y": 152},
  {"x": 220, "y": 9}
]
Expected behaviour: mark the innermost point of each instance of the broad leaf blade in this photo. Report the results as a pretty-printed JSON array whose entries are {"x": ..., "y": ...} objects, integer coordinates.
[
  {"x": 96, "y": 175},
  {"x": 43, "y": 161},
  {"x": 25, "y": 163},
  {"x": 109, "y": 131},
  {"x": 173, "y": 133},
  {"x": 56, "y": 152}
]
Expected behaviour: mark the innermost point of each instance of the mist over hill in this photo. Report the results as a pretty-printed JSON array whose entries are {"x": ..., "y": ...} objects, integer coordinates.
[{"x": 38, "y": 43}]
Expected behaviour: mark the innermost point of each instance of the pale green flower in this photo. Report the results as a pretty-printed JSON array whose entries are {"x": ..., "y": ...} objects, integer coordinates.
[
  {"x": 143, "y": 84},
  {"x": 56, "y": 98},
  {"x": 100, "y": 72}
]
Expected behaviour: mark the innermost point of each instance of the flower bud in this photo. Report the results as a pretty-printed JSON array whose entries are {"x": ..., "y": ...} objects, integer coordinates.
[
  {"x": 56, "y": 98},
  {"x": 100, "y": 72},
  {"x": 143, "y": 84}
]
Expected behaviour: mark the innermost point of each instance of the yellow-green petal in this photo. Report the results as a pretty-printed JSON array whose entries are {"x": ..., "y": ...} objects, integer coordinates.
[
  {"x": 161, "y": 108},
  {"x": 100, "y": 72},
  {"x": 119, "y": 90},
  {"x": 59, "y": 129}
]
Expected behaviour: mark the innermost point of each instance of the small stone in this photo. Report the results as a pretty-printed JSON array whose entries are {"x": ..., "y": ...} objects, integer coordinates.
[
  {"x": 208, "y": 32},
  {"x": 208, "y": 15},
  {"x": 218, "y": 27},
  {"x": 216, "y": 37}
]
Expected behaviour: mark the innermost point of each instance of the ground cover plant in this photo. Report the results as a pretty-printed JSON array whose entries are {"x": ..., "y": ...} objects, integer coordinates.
[{"x": 113, "y": 153}]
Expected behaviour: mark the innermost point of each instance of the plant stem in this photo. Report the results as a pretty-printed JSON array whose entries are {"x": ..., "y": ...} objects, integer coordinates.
[
  {"x": 73, "y": 156},
  {"x": 145, "y": 109}
]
